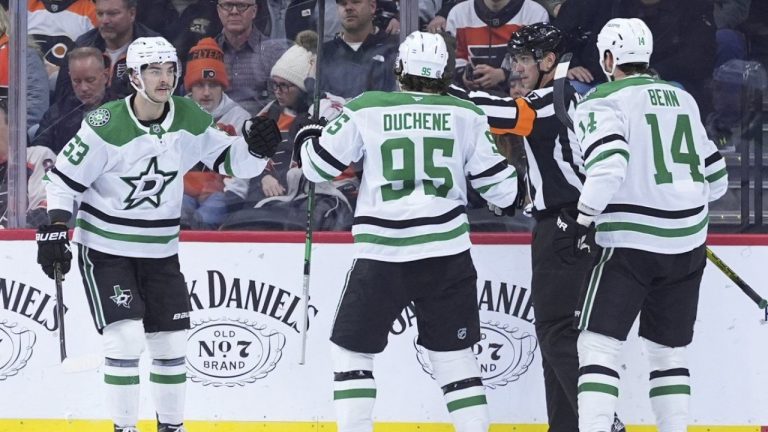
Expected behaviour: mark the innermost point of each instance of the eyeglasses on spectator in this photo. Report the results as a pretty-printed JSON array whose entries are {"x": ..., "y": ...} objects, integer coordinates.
[
  {"x": 229, "y": 7},
  {"x": 283, "y": 87}
]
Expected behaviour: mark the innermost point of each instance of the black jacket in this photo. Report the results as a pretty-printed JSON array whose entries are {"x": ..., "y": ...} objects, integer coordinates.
[
  {"x": 118, "y": 79},
  {"x": 347, "y": 73}
]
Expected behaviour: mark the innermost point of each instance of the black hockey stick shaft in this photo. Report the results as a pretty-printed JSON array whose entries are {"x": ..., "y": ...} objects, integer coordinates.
[
  {"x": 558, "y": 91},
  {"x": 745, "y": 288},
  {"x": 311, "y": 191},
  {"x": 58, "y": 276}
]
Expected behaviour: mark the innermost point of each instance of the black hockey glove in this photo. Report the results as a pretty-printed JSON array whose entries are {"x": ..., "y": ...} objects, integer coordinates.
[
  {"x": 311, "y": 130},
  {"x": 573, "y": 241},
  {"x": 262, "y": 136},
  {"x": 53, "y": 247}
]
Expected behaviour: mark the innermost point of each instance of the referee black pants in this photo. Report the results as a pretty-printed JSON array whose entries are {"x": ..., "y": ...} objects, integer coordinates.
[{"x": 555, "y": 287}]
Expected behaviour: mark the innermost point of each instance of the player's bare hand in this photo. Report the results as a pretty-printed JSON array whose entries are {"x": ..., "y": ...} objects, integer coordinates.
[
  {"x": 580, "y": 73},
  {"x": 436, "y": 25},
  {"x": 271, "y": 186},
  {"x": 487, "y": 76}
]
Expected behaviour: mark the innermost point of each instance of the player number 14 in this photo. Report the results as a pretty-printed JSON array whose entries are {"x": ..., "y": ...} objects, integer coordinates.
[{"x": 681, "y": 134}]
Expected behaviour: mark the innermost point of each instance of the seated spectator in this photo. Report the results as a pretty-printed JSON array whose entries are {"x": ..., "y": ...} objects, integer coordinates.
[
  {"x": 203, "y": 205},
  {"x": 55, "y": 25},
  {"x": 248, "y": 54},
  {"x": 117, "y": 28},
  {"x": 88, "y": 74},
  {"x": 359, "y": 58},
  {"x": 39, "y": 161},
  {"x": 37, "y": 80},
  {"x": 482, "y": 29},
  {"x": 290, "y": 17},
  {"x": 274, "y": 197},
  {"x": 181, "y": 22}
]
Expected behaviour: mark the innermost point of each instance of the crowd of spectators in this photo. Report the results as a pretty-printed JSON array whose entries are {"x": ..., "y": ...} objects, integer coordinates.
[{"x": 258, "y": 57}]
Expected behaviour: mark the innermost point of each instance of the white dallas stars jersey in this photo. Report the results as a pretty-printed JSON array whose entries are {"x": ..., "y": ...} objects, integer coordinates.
[
  {"x": 418, "y": 151},
  {"x": 128, "y": 177},
  {"x": 651, "y": 170}
]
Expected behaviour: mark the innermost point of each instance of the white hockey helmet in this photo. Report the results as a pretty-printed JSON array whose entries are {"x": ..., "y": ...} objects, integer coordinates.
[
  {"x": 148, "y": 50},
  {"x": 628, "y": 39},
  {"x": 422, "y": 54}
]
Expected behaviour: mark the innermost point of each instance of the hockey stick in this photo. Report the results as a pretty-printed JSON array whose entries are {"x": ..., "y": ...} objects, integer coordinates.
[
  {"x": 745, "y": 288},
  {"x": 58, "y": 276},
  {"x": 558, "y": 90},
  {"x": 311, "y": 191},
  {"x": 69, "y": 364}
]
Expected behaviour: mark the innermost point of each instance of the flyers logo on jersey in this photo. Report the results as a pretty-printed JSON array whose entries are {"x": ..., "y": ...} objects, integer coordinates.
[{"x": 98, "y": 117}]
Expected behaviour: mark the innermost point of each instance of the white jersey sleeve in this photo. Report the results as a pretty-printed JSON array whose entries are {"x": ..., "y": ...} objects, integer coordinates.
[
  {"x": 487, "y": 170},
  {"x": 79, "y": 164},
  {"x": 339, "y": 145},
  {"x": 228, "y": 155},
  {"x": 602, "y": 132}
]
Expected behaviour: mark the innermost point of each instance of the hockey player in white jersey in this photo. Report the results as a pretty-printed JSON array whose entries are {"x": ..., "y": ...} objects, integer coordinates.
[
  {"x": 124, "y": 167},
  {"x": 419, "y": 147},
  {"x": 651, "y": 172}
]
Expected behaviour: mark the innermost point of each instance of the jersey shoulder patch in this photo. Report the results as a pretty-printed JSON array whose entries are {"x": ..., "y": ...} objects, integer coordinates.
[
  {"x": 189, "y": 116},
  {"x": 98, "y": 117}
]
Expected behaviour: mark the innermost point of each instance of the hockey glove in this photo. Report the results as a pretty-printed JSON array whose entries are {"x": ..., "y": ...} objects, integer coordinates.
[
  {"x": 262, "y": 136},
  {"x": 573, "y": 241},
  {"x": 53, "y": 247},
  {"x": 312, "y": 130}
]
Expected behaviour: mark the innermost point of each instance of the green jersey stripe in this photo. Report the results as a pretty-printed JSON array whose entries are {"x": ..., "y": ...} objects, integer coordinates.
[
  {"x": 378, "y": 99},
  {"x": 467, "y": 402},
  {"x": 317, "y": 169},
  {"x": 414, "y": 240},
  {"x": 599, "y": 387},
  {"x": 609, "y": 88},
  {"x": 670, "y": 390},
  {"x": 91, "y": 282},
  {"x": 484, "y": 189},
  {"x": 168, "y": 379},
  {"x": 716, "y": 175},
  {"x": 354, "y": 393},
  {"x": 133, "y": 238},
  {"x": 228, "y": 163},
  {"x": 606, "y": 154},
  {"x": 653, "y": 230},
  {"x": 121, "y": 380}
]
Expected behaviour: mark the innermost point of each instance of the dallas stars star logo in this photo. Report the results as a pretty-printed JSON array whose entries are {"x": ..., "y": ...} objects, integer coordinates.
[
  {"x": 122, "y": 297},
  {"x": 148, "y": 186}
]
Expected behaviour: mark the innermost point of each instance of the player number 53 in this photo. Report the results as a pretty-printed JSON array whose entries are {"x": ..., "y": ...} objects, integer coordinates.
[{"x": 75, "y": 150}]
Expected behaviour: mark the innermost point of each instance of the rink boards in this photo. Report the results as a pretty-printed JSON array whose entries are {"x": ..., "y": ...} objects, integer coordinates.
[{"x": 243, "y": 351}]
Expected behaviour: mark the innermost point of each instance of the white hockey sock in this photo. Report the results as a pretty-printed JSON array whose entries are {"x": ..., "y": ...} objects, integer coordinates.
[
  {"x": 122, "y": 379},
  {"x": 598, "y": 381},
  {"x": 168, "y": 380},
  {"x": 670, "y": 391},
  {"x": 354, "y": 390},
  {"x": 458, "y": 374},
  {"x": 168, "y": 375}
]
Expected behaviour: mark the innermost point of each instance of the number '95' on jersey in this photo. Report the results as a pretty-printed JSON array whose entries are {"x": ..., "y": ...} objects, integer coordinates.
[{"x": 418, "y": 152}]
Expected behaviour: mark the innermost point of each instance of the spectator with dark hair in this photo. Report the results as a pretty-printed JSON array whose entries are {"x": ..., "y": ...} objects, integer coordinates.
[
  {"x": 39, "y": 161},
  {"x": 248, "y": 53},
  {"x": 482, "y": 29},
  {"x": 731, "y": 42},
  {"x": 88, "y": 75},
  {"x": 117, "y": 28},
  {"x": 361, "y": 57}
]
